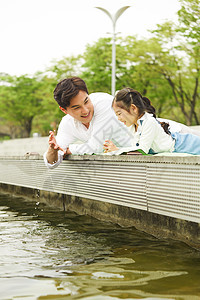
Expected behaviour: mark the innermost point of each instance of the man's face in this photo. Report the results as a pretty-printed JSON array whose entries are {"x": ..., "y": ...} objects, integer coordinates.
[{"x": 81, "y": 108}]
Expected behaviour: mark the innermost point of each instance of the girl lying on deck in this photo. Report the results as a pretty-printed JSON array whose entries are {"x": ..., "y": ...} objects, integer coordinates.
[{"x": 148, "y": 135}]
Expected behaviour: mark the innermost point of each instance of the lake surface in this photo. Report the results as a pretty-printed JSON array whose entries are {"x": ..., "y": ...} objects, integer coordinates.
[{"x": 49, "y": 254}]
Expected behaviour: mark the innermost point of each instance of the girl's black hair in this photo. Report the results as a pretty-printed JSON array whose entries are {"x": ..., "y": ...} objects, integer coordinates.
[{"x": 127, "y": 96}]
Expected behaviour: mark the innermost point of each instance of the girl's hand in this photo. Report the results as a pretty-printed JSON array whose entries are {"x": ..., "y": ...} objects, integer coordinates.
[
  {"x": 109, "y": 146},
  {"x": 52, "y": 142}
]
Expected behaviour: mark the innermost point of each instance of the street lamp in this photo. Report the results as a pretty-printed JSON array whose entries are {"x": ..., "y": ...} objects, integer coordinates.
[{"x": 114, "y": 19}]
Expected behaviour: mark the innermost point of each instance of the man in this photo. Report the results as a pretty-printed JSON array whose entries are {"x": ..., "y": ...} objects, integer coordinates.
[{"x": 89, "y": 119}]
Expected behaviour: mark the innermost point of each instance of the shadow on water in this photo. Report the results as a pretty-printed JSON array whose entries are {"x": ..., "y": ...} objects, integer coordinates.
[{"x": 49, "y": 254}]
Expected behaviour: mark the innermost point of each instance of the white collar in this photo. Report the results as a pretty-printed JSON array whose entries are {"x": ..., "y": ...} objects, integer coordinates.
[
  {"x": 139, "y": 122},
  {"x": 144, "y": 117}
]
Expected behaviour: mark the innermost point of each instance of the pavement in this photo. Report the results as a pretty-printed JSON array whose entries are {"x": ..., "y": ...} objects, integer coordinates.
[{"x": 21, "y": 147}]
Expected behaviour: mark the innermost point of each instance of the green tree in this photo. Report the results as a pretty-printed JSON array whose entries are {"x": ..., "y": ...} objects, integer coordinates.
[
  {"x": 50, "y": 116},
  {"x": 133, "y": 69},
  {"x": 139, "y": 55},
  {"x": 189, "y": 26},
  {"x": 179, "y": 60},
  {"x": 65, "y": 67},
  {"x": 20, "y": 102},
  {"x": 97, "y": 66}
]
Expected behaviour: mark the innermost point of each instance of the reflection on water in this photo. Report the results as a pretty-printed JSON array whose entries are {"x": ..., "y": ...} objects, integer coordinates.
[{"x": 48, "y": 254}]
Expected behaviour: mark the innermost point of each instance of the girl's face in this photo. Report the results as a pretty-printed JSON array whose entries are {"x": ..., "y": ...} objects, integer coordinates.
[{"x": 128, "y": 118}]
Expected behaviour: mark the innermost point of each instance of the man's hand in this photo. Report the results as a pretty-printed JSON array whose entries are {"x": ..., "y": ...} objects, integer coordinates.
[
  {"x": 52, "y": 142},
  {"x": 109, "y": 146},
  {"x": 52, "y": 152}
]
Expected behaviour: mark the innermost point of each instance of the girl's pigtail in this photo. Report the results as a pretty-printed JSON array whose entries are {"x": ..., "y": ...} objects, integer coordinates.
[
  {"x": 165, "y": 126},
  {"x": 149, "y": 108}
]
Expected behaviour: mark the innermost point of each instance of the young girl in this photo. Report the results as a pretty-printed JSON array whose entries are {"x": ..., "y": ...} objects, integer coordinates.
[{"x": 147, "y": 133}]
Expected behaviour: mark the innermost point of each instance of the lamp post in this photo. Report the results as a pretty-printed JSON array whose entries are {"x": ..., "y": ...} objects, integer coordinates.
[{"x": 114, "y": 19}]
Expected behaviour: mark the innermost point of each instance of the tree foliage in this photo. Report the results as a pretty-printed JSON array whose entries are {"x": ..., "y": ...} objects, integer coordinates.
[
  {"x": 97, "y": 66},
  {"x": 20, "y": 101},
  {"x": 164, "y": 67},
  {"x": 67, "y": 66},
  {"x": 181, "y": 70}
]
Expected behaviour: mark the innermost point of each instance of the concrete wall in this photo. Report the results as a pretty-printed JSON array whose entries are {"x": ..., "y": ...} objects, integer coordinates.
[{"x": 157, "y": 194}]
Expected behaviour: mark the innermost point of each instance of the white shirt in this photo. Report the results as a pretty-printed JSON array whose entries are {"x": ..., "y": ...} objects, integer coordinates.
[
  {"x": 150, "y": 136},
  {"x": 104, "y": 125}
]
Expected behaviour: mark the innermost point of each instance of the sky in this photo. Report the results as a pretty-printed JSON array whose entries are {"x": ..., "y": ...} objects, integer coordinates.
[{"x": 33, "y": 33}]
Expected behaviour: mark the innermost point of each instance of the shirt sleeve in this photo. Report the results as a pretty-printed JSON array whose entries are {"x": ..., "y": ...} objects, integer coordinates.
[
  {"x": 123, "y": 150},
  {"x": 103, "y": 115},
  {"x": 65, "y": 135},
  {"x": 56, "y": 164}
]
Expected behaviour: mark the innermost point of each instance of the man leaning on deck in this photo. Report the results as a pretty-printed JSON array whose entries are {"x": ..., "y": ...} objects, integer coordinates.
[{"x": 88, "y": 118}]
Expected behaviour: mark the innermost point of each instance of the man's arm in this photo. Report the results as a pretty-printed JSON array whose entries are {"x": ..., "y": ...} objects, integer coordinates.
[{"x": 53, "y": 156}]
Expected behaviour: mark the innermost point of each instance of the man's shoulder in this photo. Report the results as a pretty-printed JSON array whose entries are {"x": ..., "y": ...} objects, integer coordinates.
[
  {"x": 101, "y": 101},
  {"x": 66, "y": 120},
  {"x": 101, "y": 97}
]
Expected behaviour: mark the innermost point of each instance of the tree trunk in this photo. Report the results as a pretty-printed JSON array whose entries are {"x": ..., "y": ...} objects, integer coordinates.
[{"x": 26, "y": 131}]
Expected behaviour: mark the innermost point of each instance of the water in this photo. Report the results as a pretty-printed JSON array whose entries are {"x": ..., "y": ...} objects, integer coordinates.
[{"x": 48, "y": 254}]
